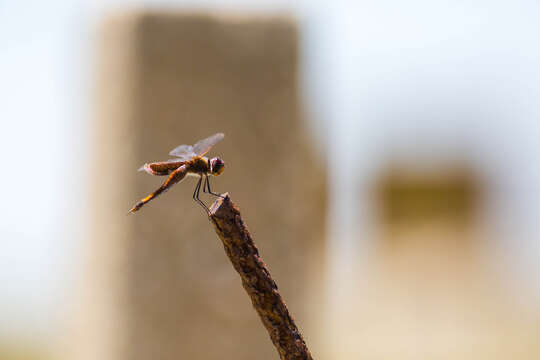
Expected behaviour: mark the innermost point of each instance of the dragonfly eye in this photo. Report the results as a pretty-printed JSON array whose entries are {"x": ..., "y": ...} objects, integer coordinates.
[{"x": 216, "y": 166}]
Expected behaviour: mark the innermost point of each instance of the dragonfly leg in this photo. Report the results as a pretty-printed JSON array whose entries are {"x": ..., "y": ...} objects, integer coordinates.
[
  {"x": 207, "y": 183},
  {"x": 196, "y": 195},
  {"x": 204, "y": 184}
]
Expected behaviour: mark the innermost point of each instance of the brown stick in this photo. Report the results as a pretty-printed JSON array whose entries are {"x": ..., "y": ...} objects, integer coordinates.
[{"x": 256, "y": 280}]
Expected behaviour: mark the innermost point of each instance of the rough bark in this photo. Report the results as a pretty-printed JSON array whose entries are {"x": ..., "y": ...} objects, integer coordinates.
[{"x": 256, "y": 280}]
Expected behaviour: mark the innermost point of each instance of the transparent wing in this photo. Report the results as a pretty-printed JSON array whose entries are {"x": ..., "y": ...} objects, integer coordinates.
[
  {"x": 186, "y": 152},
  {"x": 163, "y": 167},
  {"x": 175, "y": 160},
  {"x": 203, "y": 146},
  {"x": 183, "y": 151}
]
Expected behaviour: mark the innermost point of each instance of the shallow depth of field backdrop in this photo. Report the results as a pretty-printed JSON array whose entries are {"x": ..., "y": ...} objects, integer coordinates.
[{"x": 417, "y": 122}]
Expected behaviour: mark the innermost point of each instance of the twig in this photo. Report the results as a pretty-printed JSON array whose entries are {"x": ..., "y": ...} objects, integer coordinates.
[{"x": 256, "y": 280}]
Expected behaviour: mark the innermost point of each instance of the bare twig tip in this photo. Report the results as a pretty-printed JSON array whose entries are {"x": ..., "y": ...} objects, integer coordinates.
[
  {"x": 218, "y": 203},
  {"x": 256, "y": 280}
]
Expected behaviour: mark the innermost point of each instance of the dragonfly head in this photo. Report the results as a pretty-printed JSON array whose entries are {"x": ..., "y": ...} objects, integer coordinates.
[{"x": 216, "y": 166}]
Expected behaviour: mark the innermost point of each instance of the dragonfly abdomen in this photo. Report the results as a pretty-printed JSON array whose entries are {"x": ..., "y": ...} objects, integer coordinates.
[{"x": 176, "y": 176}]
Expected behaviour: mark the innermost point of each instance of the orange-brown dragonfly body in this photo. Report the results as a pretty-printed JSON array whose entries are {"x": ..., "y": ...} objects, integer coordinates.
[{"x": 190, "y": 161}]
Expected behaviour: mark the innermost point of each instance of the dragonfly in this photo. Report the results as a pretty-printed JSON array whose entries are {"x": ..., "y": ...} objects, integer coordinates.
[{"x": 189, "y": 160}]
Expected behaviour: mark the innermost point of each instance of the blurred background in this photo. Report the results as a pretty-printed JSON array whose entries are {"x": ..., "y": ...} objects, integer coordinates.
[{"x": 385, "y": 156}]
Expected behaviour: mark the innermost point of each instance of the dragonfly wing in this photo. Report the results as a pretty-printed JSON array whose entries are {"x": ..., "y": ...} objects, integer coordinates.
[
  {"x": 162, "y": 168},
  {"x": 203, "y": 146},
  {"x": 183, "y": 151}
]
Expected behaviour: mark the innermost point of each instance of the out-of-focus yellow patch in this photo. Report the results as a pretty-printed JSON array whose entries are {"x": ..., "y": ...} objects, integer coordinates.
[{"x": 11, "y": 352}]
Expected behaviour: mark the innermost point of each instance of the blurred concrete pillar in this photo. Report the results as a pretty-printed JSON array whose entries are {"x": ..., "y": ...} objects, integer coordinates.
[
  {"x": 429, "y": 288},
  {"x": 158, "y": 283}
]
